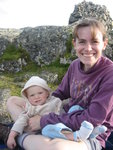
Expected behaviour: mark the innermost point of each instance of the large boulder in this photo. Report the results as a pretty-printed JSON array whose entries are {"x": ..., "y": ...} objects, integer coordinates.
[
  {"x": 89, "y": 9},
  {"x": 44, "y": 43}
]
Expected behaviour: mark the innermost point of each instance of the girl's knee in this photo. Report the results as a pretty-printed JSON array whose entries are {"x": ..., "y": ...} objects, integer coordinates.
[{"x": 56, "y": 144}]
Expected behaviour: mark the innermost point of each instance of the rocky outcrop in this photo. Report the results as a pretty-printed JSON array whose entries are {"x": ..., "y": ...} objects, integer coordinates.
[{"x": 45, "y": 44}]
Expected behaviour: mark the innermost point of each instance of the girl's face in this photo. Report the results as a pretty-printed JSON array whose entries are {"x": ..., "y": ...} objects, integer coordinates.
[
  {"x": 89, "y": 49},
  {"x": 37, "y": 95}
]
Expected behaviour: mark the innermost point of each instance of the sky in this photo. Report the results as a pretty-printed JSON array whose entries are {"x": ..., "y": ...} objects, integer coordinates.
[{"x": 32, "y": 13}]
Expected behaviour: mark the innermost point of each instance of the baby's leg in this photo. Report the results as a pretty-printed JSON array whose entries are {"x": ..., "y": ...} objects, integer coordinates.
[{"x": 15, "y": 105}]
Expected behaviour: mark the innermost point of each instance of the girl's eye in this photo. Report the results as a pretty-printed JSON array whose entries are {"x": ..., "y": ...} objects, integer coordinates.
[
  {"x": 95, "y": 41},
  {"x": 81, "y": 41}
]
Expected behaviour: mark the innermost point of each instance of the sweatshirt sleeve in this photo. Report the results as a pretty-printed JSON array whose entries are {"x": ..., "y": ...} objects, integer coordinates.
[
  {"x": 20, "y": 123},
  {"x": 98, "y": 112}
]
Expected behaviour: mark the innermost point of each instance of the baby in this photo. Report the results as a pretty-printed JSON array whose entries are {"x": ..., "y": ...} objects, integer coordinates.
[{"x": 38, "y": 101}]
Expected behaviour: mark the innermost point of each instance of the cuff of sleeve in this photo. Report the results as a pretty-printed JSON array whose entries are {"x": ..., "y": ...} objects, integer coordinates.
[
  {"x": 42, "y": 122},
  {"x": 75, "y": 136}
]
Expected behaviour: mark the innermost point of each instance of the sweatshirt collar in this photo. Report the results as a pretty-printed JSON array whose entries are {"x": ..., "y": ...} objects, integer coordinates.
[{"x": 92, "y": 69}]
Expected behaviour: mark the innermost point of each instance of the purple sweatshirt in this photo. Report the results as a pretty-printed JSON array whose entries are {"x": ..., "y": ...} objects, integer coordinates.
[{"x": 92, "y": 90}]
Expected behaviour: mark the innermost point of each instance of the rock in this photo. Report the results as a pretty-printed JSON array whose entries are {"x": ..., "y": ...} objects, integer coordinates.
[
  {"x": 4, "y": 116},
  {"x": 89, "y": 9}
]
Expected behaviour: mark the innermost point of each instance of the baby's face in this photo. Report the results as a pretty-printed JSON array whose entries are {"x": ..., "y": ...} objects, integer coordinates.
[{"x": 37, "y": 95}]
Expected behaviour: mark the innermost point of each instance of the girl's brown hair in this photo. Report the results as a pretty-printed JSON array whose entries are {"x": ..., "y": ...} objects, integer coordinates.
[{"x": 90, "y": 22}]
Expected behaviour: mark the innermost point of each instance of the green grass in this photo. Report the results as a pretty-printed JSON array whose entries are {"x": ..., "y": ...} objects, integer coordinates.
[
  {"x": 7, "y": 83},
  {"x": 13, "y": 80},
  {"x": 57, "y": 68}
]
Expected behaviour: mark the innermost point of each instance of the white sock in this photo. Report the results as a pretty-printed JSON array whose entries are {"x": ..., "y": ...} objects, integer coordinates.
[
  {"x": 98, "y": 130},
  {"x": 84, "y": 132}
]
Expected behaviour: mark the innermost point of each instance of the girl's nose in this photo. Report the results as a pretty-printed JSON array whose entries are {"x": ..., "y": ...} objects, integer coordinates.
[{"x": 88, "y": 47}]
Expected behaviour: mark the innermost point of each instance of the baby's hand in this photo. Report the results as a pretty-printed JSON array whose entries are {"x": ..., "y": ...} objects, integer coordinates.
[{"x": 11, "y": 143}]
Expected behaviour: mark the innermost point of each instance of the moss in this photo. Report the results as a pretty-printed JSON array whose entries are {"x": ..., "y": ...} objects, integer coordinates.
[
  {"x": 13, "y": 53},
  {"x": 69, "y": 44},
  {"x": 30, "y": 67},
  {"x": 69, "y": 47},
  {"x": 6, "y": 82}
]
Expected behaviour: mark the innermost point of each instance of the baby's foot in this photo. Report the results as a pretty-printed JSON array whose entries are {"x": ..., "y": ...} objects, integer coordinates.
[
  {"x": 84, "y": 132},
  {"x": 98, "y": 130}
]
